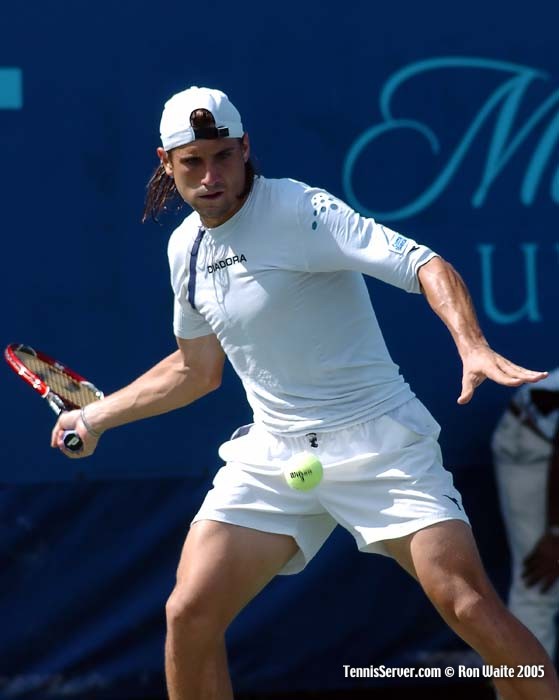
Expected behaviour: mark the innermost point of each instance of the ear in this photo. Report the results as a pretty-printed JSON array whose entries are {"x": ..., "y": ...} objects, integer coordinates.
[
  {"x": 245, "y": 146},
  {"x": 165, "y": 161}
]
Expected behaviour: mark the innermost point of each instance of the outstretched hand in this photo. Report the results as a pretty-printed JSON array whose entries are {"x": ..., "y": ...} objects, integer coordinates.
[{"x": 483, "y": 363}]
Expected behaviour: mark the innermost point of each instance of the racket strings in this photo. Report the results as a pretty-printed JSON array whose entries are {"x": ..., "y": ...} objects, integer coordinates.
[{"x": 75, "y": 394}]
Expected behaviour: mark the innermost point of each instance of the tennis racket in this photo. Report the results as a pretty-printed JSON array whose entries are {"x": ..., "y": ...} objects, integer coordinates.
[{"x": 64, "y": 389}]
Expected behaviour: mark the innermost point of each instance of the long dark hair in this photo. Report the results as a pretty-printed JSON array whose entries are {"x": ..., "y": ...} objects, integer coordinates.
[{"x": 161, "y": 188}]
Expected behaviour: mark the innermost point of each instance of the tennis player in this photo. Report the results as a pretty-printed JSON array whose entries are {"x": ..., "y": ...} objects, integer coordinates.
[{"x": 269, "y": 273}]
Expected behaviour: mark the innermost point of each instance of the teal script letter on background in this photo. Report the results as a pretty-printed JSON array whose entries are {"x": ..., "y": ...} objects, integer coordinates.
[
  {"x": 502, "y": 110},
  {"x": 11, "y": 96}
]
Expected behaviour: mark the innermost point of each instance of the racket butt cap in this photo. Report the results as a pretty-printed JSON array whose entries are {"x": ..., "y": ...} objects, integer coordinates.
[{"x": 72, "y": 441}]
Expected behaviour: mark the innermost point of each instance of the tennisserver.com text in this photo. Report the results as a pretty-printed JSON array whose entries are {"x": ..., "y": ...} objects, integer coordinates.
[
  {"x": 448, "y": 672},
  {"x": 390, "y": 672}
]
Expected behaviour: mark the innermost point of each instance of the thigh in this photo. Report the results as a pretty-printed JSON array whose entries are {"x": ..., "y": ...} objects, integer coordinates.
[
  {"x": 264, "y": 502},
  {"x": 444, "y": 558},
  {"x": 224, "y": 566}
]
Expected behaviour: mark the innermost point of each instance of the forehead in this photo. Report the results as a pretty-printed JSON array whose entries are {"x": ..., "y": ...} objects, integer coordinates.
[{"x": 204, "y": 147}]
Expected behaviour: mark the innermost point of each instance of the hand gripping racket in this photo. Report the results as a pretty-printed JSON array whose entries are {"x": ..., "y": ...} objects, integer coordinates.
[{"x": 64, "y": 389}]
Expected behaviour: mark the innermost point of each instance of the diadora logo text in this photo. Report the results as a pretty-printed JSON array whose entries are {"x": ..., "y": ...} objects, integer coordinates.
[
  {"x": 226, "y": 262},
  {"x": 504, "y": 126}
]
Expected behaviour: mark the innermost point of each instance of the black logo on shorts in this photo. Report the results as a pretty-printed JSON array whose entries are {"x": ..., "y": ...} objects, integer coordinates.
[
  {"x": 453, "y": 500},
  {"x": 313, "y": 439}
]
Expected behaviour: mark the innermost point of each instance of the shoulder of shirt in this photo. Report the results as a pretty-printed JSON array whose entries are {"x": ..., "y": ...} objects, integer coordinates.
[
  {"x": 185, "y": 232},
  {"x": 282, "y": 186},
  {"x": 285, "y": 195}
]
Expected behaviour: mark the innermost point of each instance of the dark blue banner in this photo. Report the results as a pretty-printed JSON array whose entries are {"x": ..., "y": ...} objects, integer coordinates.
[{"x": 445, "y": 127}]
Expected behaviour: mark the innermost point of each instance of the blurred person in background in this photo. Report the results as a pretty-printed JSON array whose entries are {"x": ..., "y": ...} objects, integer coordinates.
[{"x": 525, "y": 447}]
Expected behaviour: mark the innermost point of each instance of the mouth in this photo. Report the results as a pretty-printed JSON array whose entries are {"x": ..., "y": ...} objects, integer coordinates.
[{"x": 212, "y": 196}]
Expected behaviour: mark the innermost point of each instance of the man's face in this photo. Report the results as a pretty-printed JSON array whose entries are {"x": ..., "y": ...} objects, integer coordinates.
[{"x": 209, "y": 175}]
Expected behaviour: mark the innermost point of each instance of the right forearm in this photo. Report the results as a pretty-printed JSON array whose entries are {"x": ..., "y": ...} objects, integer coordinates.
[
  {"x": 166, "y": 386},
  {"x": 450, "y": 299}
]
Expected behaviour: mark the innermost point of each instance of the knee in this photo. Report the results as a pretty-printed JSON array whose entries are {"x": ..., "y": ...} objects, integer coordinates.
[
  {"x": 466, "y": 606},
  {"x": 473, "y": 607},
  {"x": 192, "y": 615}
]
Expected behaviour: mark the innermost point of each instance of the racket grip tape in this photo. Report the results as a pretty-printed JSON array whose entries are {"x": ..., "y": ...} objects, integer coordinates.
[{"x": 72, "y": 441}]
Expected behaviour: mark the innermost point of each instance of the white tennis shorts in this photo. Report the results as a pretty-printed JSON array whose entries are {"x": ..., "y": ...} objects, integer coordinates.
[{"x": 383, "y": 479}]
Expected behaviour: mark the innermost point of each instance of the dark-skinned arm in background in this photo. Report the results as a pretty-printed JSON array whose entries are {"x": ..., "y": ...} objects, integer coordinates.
[{"x": 541, "y": 566}]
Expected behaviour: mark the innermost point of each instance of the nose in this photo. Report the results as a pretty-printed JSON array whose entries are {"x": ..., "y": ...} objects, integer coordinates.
[{"x": 211, "y": 178}]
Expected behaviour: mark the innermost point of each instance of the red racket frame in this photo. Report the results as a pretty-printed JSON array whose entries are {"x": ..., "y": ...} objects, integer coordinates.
[
  {"x": 34, "y": 381},
  {"x": 57, "y": 403}
]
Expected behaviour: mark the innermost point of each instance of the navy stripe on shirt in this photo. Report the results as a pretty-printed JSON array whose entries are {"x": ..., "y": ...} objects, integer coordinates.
[{"x": 192, "y": 267}]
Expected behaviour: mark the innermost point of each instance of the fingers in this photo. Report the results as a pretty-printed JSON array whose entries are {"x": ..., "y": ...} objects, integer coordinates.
[
  {"x": 504, "y": 372},
  {"x": 542, "y": 576},
  {"x": 71, "y": 420},
  {"x": 516, "y": 372},
  {"x": 470, "y": 382},
  {"x": 534, "y": 572},
  {"x": 66, "y": 421},
  {"x": 548, "y": 583},
  {"x": 541, "y": 566},
  {"x": 484, "y": 363}
]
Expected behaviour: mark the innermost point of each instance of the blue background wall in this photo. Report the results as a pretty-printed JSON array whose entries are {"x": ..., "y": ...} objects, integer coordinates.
[{"x": 441, "y": 122}]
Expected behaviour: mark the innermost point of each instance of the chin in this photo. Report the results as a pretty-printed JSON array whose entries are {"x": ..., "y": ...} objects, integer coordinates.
[{"x": 214, "y": 211}]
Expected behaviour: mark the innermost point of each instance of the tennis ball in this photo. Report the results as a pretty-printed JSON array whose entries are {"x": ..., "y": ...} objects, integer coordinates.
[{"x": 304, "y": 472}]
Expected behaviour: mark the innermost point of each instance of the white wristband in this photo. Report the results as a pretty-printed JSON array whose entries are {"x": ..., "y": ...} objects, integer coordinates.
[{"x": 87, "y": 426}]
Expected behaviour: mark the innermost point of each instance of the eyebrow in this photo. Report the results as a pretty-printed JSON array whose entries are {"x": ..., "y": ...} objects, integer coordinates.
[{"x": 188, "y": 156}]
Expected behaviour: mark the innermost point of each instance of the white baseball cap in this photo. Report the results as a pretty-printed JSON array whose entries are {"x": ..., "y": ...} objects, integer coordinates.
[{"x": 176, "y": 129}]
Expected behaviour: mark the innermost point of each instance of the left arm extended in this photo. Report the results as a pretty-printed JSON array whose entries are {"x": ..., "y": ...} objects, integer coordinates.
[{"x": 449, "y": 298}]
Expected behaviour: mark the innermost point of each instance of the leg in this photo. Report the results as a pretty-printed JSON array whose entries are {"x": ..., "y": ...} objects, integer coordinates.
[
  {"x": 222, "y": 568},
  {"x": 445, "y": 561}
]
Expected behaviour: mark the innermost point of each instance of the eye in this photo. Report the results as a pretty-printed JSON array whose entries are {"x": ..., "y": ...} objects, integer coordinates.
[
  {"x": 190, "y": 162},
  {"x": 224, "y": 155}
]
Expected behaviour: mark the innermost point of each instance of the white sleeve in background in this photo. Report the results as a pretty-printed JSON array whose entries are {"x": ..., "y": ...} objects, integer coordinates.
[{"x": 335, "y": 237}]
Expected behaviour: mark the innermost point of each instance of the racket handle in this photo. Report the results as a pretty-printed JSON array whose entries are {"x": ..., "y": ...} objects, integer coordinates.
[{"x": 72, "y": 441}]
